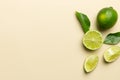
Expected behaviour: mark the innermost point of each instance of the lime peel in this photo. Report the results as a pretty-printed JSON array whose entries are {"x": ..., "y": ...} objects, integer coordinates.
[{"x": 106, "y": 18}]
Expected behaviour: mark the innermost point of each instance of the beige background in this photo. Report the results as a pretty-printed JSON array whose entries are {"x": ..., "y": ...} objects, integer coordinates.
[{"x": 41, "y": 40}]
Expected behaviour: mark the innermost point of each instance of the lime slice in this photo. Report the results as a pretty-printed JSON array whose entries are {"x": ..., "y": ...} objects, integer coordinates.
[
  {"x": 92, "y": 40},
  {"x": 91, "y": 63},
  {"x": 112, "y": 53}
]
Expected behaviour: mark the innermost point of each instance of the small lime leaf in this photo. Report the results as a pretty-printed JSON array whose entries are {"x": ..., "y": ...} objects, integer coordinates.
[
  {"x": 112, "y": 38},
  {"x": 84, "y": 21}
]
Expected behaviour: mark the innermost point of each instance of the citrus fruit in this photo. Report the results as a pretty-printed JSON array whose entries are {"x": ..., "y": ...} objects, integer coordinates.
[
  {"x": 112, "y": 53},
  {"x": 106, "y": 18},
  {"x": 91, "y": 63},
  {"x": 92, "y": 40}
]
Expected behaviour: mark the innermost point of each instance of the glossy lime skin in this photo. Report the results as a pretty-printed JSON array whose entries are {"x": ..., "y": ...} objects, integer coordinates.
[{"x": 106, "y": 18}]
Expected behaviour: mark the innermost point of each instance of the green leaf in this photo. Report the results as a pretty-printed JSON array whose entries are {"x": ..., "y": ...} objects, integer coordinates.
[
  {"x": 112, "y": 38},
  {"x": 84, "y": 21}
]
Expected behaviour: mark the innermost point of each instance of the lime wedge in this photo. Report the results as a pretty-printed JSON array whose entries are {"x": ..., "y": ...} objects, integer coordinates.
[
  {"x": 92, "y": 40},
  {"x": 91, "y": 63},
  {"x": 112, "y": 53}
]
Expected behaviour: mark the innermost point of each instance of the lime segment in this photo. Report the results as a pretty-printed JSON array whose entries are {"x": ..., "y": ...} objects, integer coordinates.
[
  {"x": 93, "y": 40},
  {"x": 91, "y": 63},
  {"x": 112, "y": 53}
]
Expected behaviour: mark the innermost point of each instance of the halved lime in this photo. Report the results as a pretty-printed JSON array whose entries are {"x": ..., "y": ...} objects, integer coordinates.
[
  {"x": 92, "y": 40},
  {"x": 91, "y": 63},
  {"x": 112, "y": 53}
]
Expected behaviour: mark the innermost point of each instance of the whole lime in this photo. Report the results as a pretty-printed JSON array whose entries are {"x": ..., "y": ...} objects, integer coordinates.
[{"x": 106, "y": 18}]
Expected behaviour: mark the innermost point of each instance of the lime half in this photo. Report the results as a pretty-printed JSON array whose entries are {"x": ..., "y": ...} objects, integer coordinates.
[
  {"x": 112, "y": 53},
  {"x": 92, "y": 40},
  {"x": 91, "y": 63}
]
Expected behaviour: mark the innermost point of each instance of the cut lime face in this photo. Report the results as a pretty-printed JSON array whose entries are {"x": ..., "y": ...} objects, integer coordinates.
[
  {"x": 112, "y": 54},
  {"x": 91, "y": 63},
  {"x": 92, "y": 40}
]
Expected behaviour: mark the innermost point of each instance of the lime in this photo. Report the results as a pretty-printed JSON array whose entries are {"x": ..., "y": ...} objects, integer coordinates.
[
  {"x": 92, "y": 40},
  {"x": 106, "y": 18},
  {"x": 91, "y": 63},
  {"x": 112, "y": 53}
]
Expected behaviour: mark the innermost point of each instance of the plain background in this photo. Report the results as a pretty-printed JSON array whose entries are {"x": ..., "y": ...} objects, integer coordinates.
[{"x": 41, "y": 40}]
